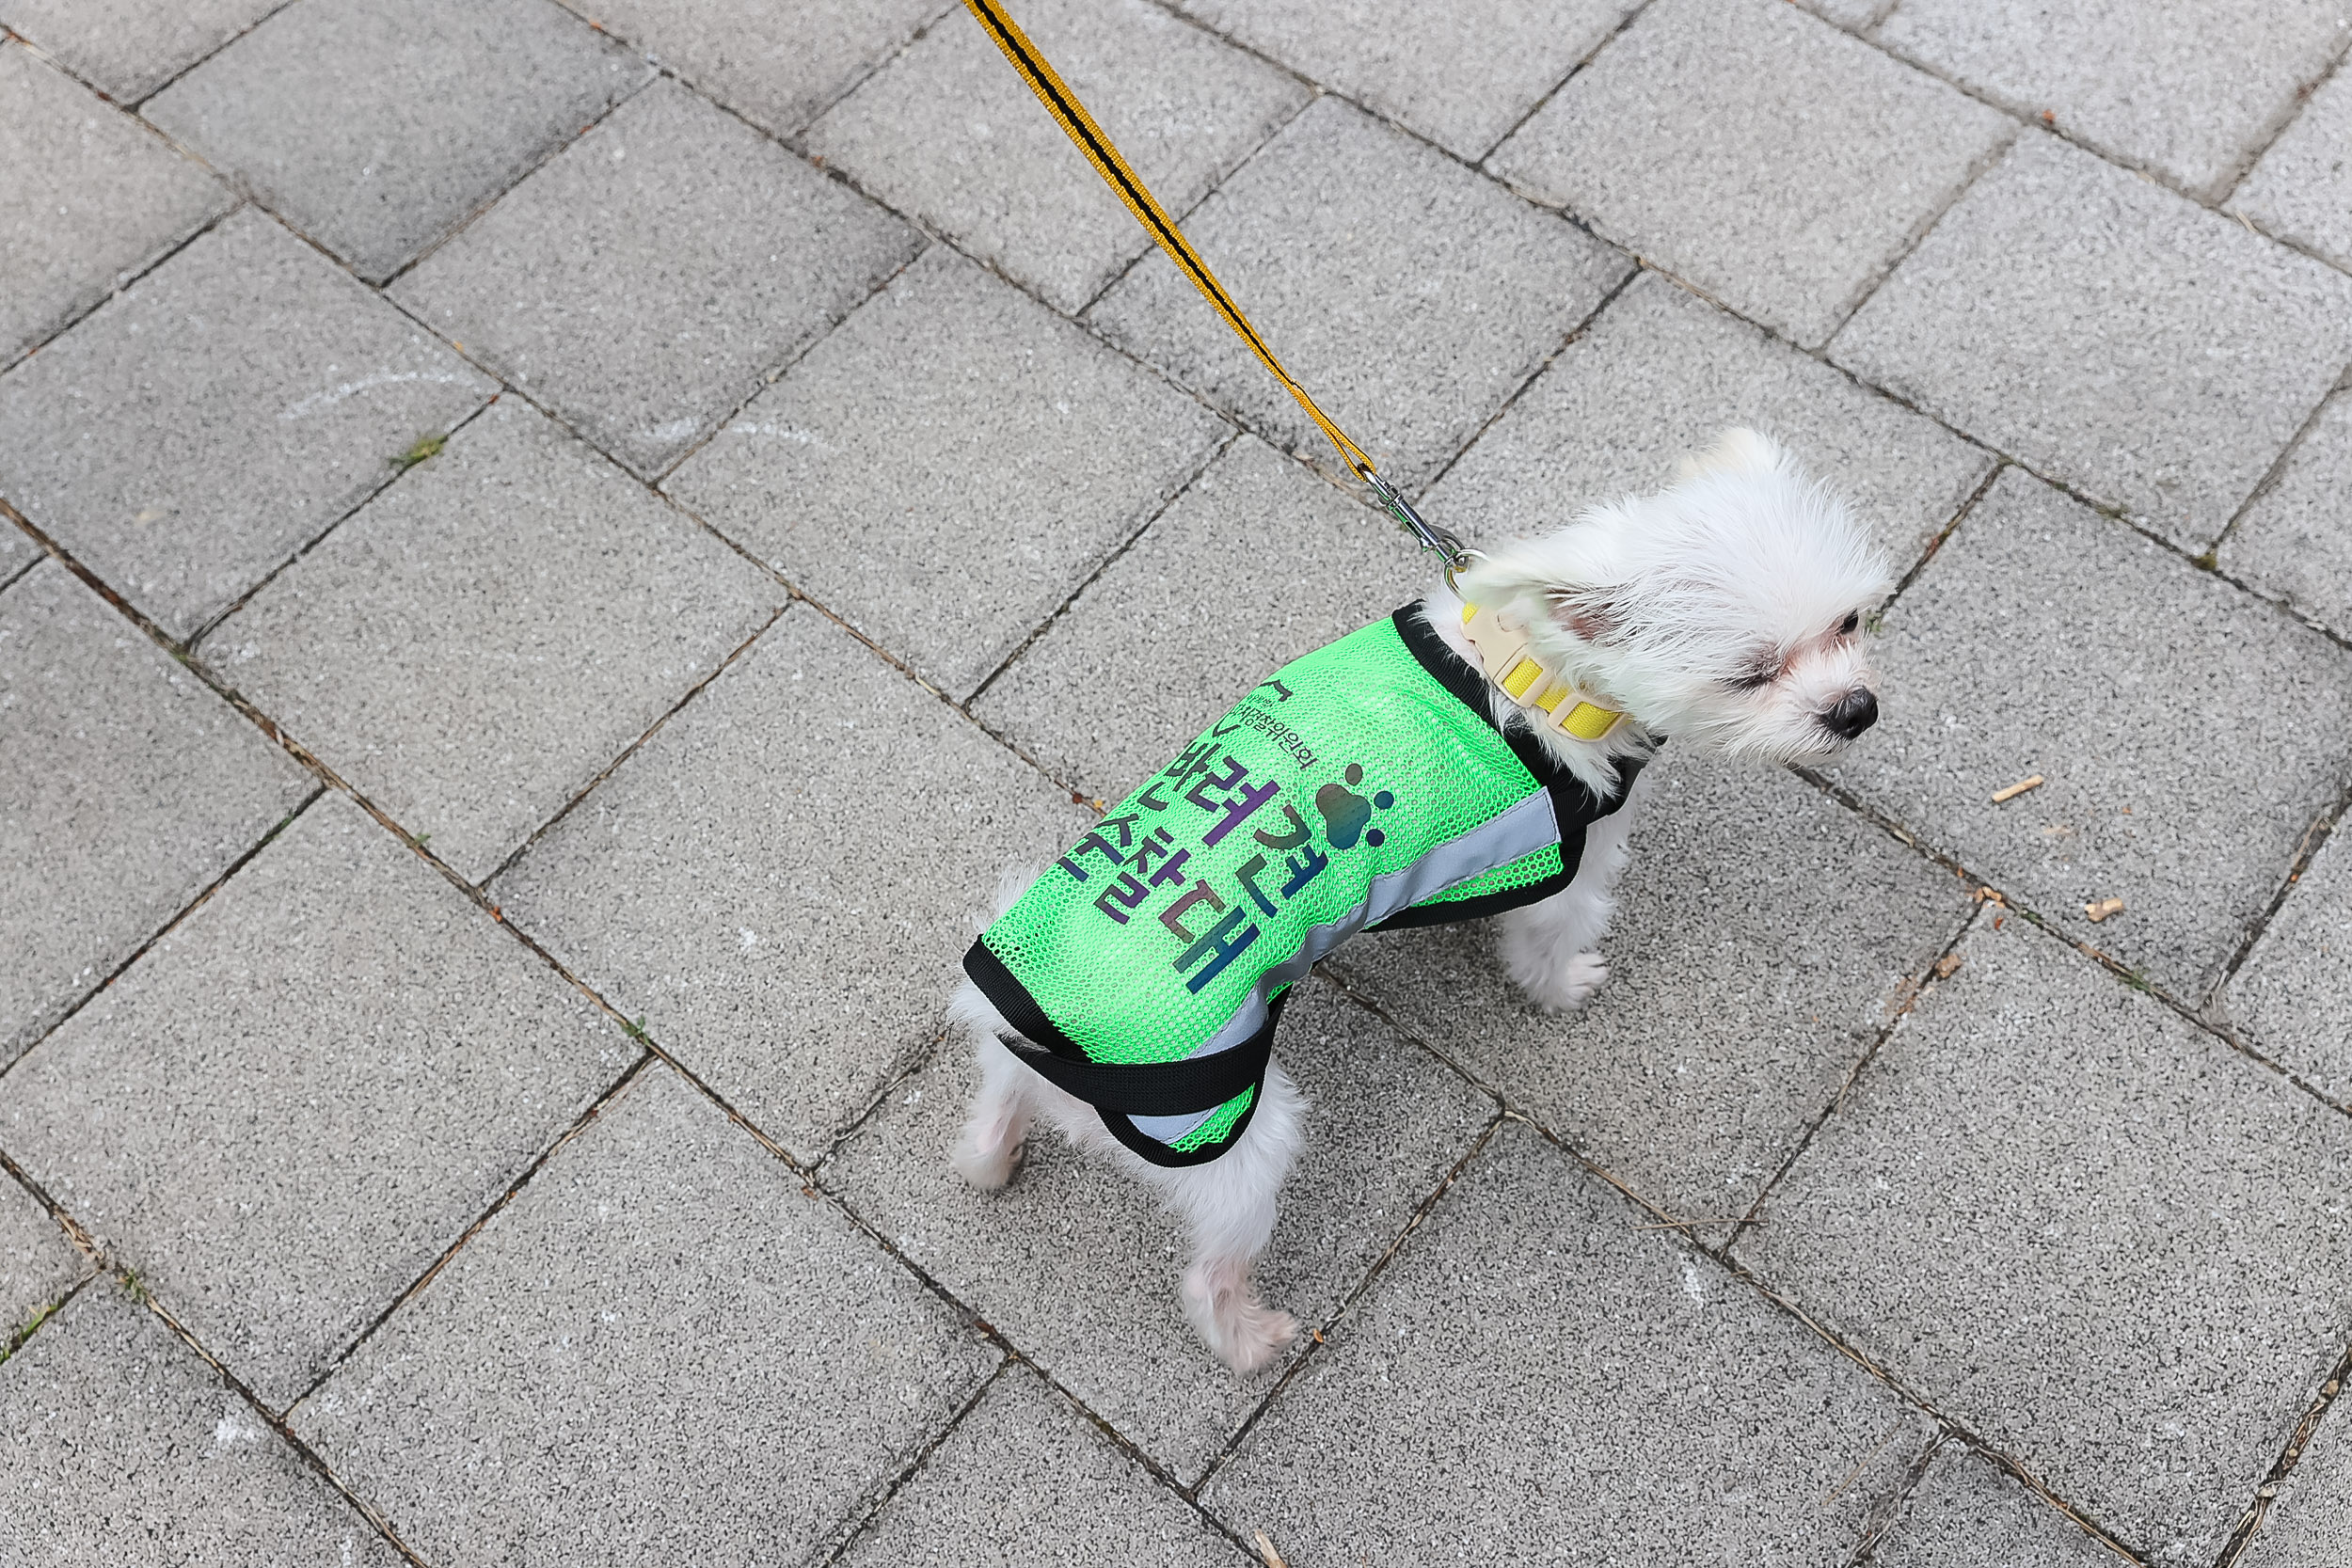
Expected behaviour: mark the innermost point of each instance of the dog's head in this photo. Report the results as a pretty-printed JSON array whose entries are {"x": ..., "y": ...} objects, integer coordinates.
[{"x": 1726, "y": 608}]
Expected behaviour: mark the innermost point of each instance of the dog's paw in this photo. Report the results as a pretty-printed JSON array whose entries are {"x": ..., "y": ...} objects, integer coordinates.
[
  {"x": 985, "y": 1155},
  {"x": 1245, "y": 1332},
  {"x": 1567, "y": 987}
]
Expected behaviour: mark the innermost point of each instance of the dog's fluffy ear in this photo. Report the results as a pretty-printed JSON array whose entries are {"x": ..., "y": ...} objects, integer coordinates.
[
  {"x": 1737, "y": 451},
  {"x": 1588, "y": 613}
]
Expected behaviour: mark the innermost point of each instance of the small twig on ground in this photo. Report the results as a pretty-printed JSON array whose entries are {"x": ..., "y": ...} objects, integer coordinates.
[
  {"x": 2001, "y": 797},
  {"x": 1266, "y": 1550},
  {"x": 1713, "y": 1219},
  {"x": 1860, "y": 1465}
]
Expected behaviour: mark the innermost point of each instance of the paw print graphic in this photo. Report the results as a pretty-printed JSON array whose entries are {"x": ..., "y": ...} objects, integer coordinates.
[{"x": 1345, "y": 813}]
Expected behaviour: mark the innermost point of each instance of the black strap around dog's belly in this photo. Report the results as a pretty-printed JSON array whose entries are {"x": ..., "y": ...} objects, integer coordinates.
[{"x": 1154, "y": 1088}]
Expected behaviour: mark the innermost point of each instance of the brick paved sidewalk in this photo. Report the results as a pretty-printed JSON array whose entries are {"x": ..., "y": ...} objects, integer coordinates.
[{"x": 551, "y": 555}]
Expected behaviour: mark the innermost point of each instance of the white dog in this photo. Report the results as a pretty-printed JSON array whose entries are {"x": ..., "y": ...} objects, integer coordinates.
[{"x": 1724, "y": 612}]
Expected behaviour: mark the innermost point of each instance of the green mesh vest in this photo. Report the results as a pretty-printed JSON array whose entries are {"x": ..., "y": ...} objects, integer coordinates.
[{"x": 1361, "y": 787}]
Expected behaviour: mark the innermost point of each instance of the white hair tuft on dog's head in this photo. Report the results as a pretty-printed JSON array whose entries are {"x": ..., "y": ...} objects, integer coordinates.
[{"x": 1724, "y": 609}]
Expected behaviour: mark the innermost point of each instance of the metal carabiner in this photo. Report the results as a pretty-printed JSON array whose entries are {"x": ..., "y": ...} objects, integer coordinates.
[{"x": 1451, "y": 550}]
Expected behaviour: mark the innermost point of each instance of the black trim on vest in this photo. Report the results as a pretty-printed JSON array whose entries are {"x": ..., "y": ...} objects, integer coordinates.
[
  {"x": 1574, "y": 806},
  {"x": 1119, "y": 1090}
]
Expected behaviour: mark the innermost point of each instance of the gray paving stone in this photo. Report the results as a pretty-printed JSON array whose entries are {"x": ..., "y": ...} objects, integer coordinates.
[
  {"x": 375, "y": 132},
  {"x": 118, "y": 1446},
  {"x": 2294, "y": 996},
  {"x": 780, "y": 881},
  {"x": 949, "y": 134},
  {"x": 1854, "y": 15},
  {"x": 195, "y": 431},
  {"x": 2186, "y": 87},
  {"x": 2310, "y": 1525},
  {"x": 778, "y": 63},
  {"x": 92, "y": 197},
  {"x": 2108, "y": 334},
  {"x": 1533, "y": 1375},
  {"x": 582, "y": 1371},
  {"x": 17, "y": 552},
  {"x": 2084, "y": 1230},
  {"x": 1460, "y": 75},
  {"x": 129, "y": 48},
  {"x": 38, "y": 1264},
  {"x": 1026, "y": 1478},
  {"x": 946, "y": 514},
  {"x": 1073, "y": 700},
  {"x": 1729, "y": 1020},
  {"x": 2096, "y": 658},
  {"x": 1080, "y": 1269},
  {"x": 2302, "y": 188},
  {"x": 297, "y": 1098},
  {"x": 430, "y": 654},
  {"x": 1660, "y": 375},
  {"x": 1411, "y": 310},
  {"x": 127, "y": 788},
  {"x": 2296, "y": 540},
  {"x": 1768, "y": 158},
  {"x": 1968, "y": 1513},
  {"x": 644, "y": 281}
]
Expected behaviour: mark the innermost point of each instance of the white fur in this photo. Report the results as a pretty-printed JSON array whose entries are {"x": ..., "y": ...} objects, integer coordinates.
[{"x": 1666, "y": 606}]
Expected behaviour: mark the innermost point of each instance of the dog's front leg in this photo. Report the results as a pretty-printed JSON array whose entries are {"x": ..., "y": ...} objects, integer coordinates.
[{"x": 1551, "y": 949}]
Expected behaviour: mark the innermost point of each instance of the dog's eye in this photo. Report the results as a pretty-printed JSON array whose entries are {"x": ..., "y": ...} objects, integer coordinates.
[
  {"x": 1846, "y": 626},
  {"x": 1753, "y": 679}
]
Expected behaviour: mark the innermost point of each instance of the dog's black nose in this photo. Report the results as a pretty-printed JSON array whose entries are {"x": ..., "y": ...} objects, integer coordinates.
[{"x": 1854, "y": 712}]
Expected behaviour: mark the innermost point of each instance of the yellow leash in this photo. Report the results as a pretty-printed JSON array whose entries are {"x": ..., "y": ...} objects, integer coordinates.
[{"x": 1072, "y": 115}]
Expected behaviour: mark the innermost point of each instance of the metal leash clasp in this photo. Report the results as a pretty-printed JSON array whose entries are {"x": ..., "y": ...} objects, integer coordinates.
[{"x": 1450, "y": 549}]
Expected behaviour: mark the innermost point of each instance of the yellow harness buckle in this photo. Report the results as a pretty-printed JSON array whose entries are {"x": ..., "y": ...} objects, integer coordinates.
[{"x": 1529, "y": 682}]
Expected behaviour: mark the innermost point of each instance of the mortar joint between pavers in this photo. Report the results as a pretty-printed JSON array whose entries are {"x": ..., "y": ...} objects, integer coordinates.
[
  {"x": 76, "y": 1232},
  {"x": 522, "y": 1179},
  {"x": 1943, "y": 535},
  {"x": 1889, "y": 1511},
  {"x": 277, "y": 1424},
  {"x": 466, "y": 219},
  {"x": 1318, "y": 1333},
  {"x": 2330, "y": 1393},
  {"x": 1951, "y": 1427},
  {"x": 765, "y": 378},
  {"x": 719, "y": 668},
  {"x": 1403, "y": 1030},
  {"x": 1908, "y": 992},
  {"x": 1110, "y": 558},
  {"x": 203, "y": 897},
  {"x": 129, "y": 279},
  {"x": 1575, "y": 333},
  {"x": 2211, "y": 559},
  {"x": 2030, "y": 119},
  {"x": 1544, "y": 100},
  {"x": 2282, "y": 120},
  {"x": 19, "y": 1334},
  {"x": 2307, "y": 848},
  {"x": 1986, "y": 889},
  {"x": 898, "y": 1077},
  {"x": 870, "y": 1503},
  {"x": 1876, "y": 278},
  {"x": 396, "y": 469}
]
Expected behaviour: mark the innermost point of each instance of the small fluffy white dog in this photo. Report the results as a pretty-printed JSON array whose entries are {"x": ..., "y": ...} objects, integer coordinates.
[{"x": 1724, "y": 612}]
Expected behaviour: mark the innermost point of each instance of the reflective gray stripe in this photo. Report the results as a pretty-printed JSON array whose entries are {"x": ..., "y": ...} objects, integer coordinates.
[{"x": 1530, "y": 826}]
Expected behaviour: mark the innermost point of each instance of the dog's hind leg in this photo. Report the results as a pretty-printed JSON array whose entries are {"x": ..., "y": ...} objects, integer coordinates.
[
  {"x": 1550, "y": 948},
  {"x": 1229, "y": 1205},
  {"x": 990, "y": 1142}
]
